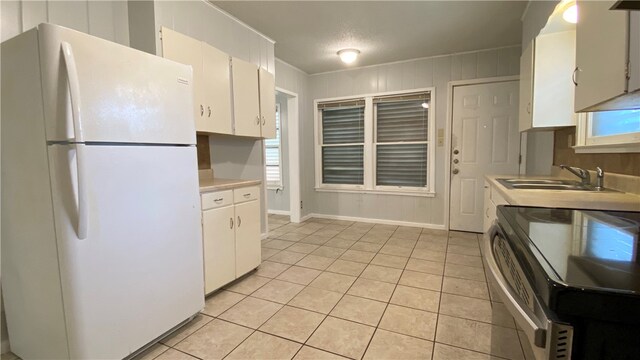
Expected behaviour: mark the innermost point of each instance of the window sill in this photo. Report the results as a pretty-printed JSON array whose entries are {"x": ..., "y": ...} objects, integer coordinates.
[
  {"x": 607, "y": 148},
  {"x": 428, "y": 194}
]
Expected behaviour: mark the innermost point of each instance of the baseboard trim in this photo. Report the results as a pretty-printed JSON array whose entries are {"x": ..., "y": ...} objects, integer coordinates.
[
  {"x": 306, "y": 217},
  {"x": 279, "y": 212},
  {"x": 4, "y": 346},
  {"x": 377, "y": 221}
]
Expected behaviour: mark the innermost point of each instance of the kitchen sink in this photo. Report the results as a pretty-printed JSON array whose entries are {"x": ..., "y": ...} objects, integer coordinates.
[{"x": 545, "y": 184}]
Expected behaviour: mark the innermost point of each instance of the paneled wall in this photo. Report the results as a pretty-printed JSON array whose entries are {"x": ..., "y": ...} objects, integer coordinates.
[
  {"x": 429, "y": 72},
  {"x": 294, "y": 80},
  {"x": 105, "y": 19}
]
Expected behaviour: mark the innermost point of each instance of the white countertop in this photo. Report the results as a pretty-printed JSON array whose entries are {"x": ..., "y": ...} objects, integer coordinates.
[{"x": 596, "y": 200}]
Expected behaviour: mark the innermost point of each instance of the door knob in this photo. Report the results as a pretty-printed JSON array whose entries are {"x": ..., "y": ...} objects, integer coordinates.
[
  {"x": 455, "y": 171},
  {"x": 455, "y": 161},
  {"x": 456, "y": 152}
]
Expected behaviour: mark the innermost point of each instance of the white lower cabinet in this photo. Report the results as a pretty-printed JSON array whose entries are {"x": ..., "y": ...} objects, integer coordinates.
[
  {"x": 231, "y": 235},
  {"x": 491, "y": 201}
]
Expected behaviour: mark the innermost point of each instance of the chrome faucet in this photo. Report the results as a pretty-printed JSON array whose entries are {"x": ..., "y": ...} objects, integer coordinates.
[
  {"x": 599, "y": 179},
  {"x": 581, "y": 173}
]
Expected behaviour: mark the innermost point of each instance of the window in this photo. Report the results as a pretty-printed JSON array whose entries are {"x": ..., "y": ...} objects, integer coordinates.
[
  {"x": 273, "y": 155},
  {"x": 342, "y": 142},
  {"x": 376, "y": 143},
  {"x": 609, "y": 131}
]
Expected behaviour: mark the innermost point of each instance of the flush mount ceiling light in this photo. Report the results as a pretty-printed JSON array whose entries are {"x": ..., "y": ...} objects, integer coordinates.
[
  {"x": 571, "y": 14},
  {"x": 348, "y": 55}
]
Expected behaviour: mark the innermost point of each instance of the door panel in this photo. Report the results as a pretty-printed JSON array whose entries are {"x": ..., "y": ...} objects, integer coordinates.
[
  {"x": 125, "y": 95},
  {"x": 138, "y": 273},
  {"x": 217, "y": 90},
  {"x": 246, "y": 105},
  {"x": 188, "y": 51},
  {"x": 248, "y": 252},
  {"x": 218, "y": 234},
  {"x": 268, "y": 104},
  {"x": 485, "y": 135}
]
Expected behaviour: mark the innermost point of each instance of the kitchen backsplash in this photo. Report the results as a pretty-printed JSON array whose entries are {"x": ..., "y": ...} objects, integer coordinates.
[{"x": 619, "y": 163}]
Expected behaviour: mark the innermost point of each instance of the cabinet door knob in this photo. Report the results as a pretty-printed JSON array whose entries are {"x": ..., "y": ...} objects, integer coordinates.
[
  {"x": 258, "y": 120},
  {"x": 263, "y": 120},
  {"x": 201, "y": 110},
  {"x": 573, "y": 76},
  {"x": 209, "y": 109},
  {"x": 239, "y": 221},
  {"x": 230, "y": 223}
]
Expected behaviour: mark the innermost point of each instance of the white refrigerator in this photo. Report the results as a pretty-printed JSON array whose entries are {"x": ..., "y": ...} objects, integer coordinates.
[{"x": 101, "y": 230}]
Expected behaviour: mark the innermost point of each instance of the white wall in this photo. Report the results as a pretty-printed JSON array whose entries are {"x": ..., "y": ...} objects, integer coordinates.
[
  {"x": 539, "y": 143},
  {"x": 278, "y": 199},
  {"x": 105, "y": 19},
  {"x": 420, "y": 73}
]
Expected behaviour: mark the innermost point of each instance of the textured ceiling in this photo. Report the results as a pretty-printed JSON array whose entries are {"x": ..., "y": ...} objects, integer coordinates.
[{"x": 309, "y": 33}]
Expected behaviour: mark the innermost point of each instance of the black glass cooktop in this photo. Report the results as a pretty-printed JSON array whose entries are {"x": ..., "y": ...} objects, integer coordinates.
[{"x": 583, "y": 248}]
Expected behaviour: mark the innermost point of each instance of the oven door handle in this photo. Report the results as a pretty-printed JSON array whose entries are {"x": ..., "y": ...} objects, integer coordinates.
[{"x": 535, "y": 329}]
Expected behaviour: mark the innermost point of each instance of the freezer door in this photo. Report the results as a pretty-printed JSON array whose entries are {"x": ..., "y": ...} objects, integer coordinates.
[
  {"x": 120, "y": 94},
  {"x": 139, "y": 271}
]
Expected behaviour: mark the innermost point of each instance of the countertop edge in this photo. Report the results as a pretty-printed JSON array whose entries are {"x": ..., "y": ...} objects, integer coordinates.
[{"x": 219, "y": 184}]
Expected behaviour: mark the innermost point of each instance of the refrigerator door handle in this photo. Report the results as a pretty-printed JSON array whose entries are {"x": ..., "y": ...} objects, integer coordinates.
[{"x": 74, "y": 89}]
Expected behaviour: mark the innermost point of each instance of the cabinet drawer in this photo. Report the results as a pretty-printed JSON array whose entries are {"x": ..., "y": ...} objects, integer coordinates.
[
  {"x": 246, "y": 194},
  {"x": 218, "y": 199}
]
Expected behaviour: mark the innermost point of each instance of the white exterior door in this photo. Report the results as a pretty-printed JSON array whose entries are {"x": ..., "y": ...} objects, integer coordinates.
[
  {"x": 138, "y": 272},
  {"x": 484, "y": 140}
]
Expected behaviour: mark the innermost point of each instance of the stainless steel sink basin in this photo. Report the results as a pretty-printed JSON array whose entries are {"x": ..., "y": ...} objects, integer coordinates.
[{"x": 544, "y": 184}]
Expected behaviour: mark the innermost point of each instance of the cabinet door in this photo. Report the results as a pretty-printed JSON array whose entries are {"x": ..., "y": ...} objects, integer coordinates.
[
  {"x": 218, "y": 229},
  {"x": 268, "y": 104},
  {"x": 188, "y": 51},
  {"x": 602, "y": 39},
  {"x": 246, "y": 106},
  {"x": 217, "y": 90},
  {"x": 248, "y": 252},
  {"x": 526, "y": 85}
]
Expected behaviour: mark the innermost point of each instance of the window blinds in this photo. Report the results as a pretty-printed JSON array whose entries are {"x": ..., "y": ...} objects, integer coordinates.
[
  {"x": 272, "y": 155},
  {"x": 401, "y": 140},
  {"x": 342, "y": 142}
]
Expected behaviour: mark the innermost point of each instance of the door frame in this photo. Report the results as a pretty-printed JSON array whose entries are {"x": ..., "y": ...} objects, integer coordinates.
[
  {"x": 449, "y": 131},
  {"x": 293, "y": 155}
]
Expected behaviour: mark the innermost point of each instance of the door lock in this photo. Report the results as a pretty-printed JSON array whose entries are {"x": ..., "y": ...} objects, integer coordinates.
[
  {"x": 455, "y": 171},
  {"x": 455, "y": 161},
  {"x": 456, "y": 152}
]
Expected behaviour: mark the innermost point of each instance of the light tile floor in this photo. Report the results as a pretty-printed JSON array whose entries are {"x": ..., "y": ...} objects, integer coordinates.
[{"x": 339, "y": 289}]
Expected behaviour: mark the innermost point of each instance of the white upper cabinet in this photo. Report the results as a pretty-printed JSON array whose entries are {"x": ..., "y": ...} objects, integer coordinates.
[
  {"x": 267, "y": 103},
  {"x": 605, "y": 49},
  {"x": 546, "y": 87},
  {"x": 246, "y": 104},
  {"x": 217, "y": 90},
  {"x": 254, "y": 100},
  {"x": 212, "y": 87}
]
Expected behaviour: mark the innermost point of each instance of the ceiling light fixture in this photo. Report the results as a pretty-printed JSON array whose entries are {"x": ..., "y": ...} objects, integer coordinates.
[
  {"x": 571, "y": 14},
  {"x": 348, "y": 55}
]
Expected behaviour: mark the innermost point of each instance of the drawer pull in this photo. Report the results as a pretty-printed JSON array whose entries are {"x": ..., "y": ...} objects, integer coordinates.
[
  {"x": 247, "y": 195},
  {"x": 218, "y": 201}
]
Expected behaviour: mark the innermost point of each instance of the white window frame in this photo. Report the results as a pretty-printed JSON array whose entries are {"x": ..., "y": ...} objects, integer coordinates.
[
  {"x": 369, "y": 151},
  {"x": 586, "y": 143},
  {"x": 270, "y": 184}
]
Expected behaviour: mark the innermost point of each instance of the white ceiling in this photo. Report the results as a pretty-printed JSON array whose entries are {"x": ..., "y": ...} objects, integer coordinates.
[{"x": 309, "y": 33}]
